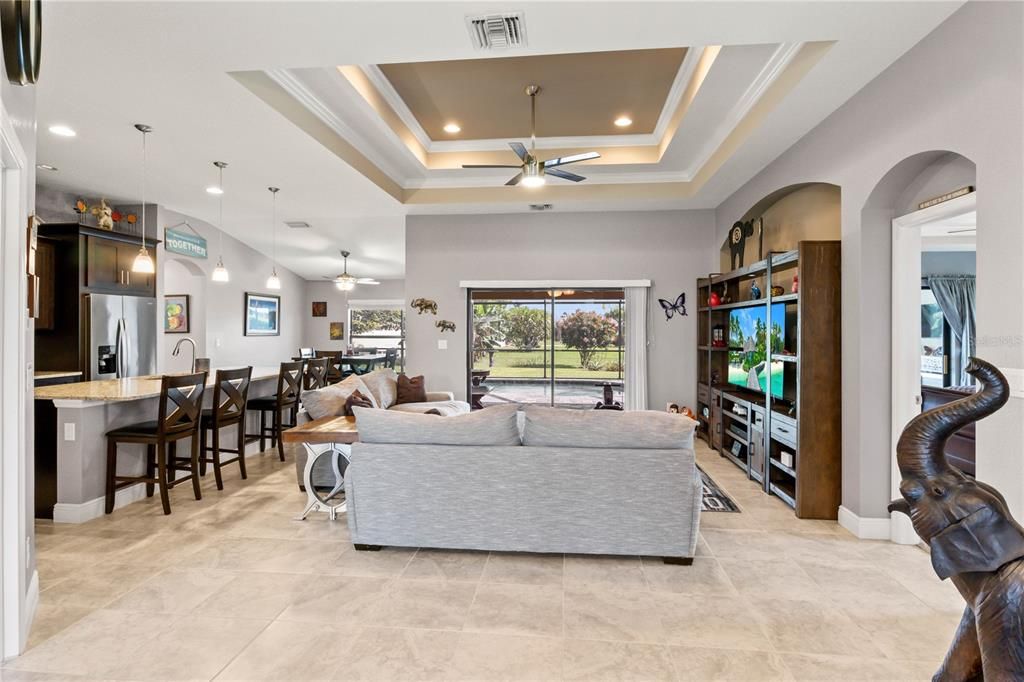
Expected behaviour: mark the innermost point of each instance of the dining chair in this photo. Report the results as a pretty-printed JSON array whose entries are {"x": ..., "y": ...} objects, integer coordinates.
[
  {"x": 289, "y": 392},
  {"x": 306, "y": 353},
  {"x": 230, "y": 396},
  {"x": 334, "y": 372},
  {"x": 315, "y": 375},
  {"x": 179, "y": 413},
  {"x": 390, "y": 357}
]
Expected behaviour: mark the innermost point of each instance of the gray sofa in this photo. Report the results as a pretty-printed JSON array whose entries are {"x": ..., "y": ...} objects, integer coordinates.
[
  {"x": 565, "y": 481},
  {"x": 381, "y": 388}
]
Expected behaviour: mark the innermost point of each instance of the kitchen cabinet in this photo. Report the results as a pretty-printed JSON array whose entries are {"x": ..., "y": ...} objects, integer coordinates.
[{"x": 108, "y": 266}]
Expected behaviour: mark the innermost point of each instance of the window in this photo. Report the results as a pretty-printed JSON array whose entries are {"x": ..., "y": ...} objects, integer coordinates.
[
  {"x": 378, "y": 326},
  {"x": 935, "y": 342},
  {"x": 545, "y": 347}
]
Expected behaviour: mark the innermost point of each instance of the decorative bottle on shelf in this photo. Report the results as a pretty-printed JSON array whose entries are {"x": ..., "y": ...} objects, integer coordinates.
[{"x": 796, "y": 283}]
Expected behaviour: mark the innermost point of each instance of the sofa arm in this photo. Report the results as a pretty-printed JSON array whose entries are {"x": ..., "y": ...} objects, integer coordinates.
[{"x": 438, "y": 396}]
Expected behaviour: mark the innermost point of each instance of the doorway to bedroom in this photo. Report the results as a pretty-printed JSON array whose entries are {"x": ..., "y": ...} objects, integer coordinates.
[{"x": 560, "y": 347}]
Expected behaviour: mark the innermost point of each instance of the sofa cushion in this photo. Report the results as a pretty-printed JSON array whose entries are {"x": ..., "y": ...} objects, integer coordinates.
[
  {"x": 448, "y": 408},
  {"x": 493, "y": 426},
  {"x": 330, "y": 400},
  {"x": 411, "y": 390},
  {"x": 559, "y": 427},
  {"x": 383, "y": 384}
]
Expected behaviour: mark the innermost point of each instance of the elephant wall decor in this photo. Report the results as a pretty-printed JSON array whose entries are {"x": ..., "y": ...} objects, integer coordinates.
[
  {"x": 973, "y": 538},
  {"x": 738, "y": 234}
]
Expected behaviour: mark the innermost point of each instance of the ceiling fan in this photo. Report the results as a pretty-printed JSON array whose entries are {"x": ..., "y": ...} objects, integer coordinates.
[
  {"x": 345, "y": 281},
  {"x": 533, "y": 171}
]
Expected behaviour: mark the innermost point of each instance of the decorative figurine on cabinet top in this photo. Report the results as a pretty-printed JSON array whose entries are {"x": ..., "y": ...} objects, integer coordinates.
[
  {"x": 972, "y": 536},
  {"x": 103, "y": 214}
]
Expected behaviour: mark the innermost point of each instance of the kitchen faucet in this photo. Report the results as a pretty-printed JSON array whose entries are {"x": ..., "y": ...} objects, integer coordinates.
[{"x": 177, "y": 350}]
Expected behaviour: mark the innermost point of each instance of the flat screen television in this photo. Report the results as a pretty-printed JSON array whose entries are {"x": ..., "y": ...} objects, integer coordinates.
[{"x": 749, "y": 362}]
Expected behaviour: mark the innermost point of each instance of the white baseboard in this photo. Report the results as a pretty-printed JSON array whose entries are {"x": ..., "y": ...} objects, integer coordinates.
[
  {"x": 64, "y": 512},
  {"x": 31, "y": 605},
  {"x": 864, "y": 528}
]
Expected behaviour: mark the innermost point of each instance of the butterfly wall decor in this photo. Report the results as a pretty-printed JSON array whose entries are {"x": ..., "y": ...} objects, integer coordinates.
[{"x": 671, "y": 308}]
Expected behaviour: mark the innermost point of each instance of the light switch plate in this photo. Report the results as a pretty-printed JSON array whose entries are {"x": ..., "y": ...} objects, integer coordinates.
[
  {"x": 442, "y": 344},
  {"x": 69, "y": 431}
]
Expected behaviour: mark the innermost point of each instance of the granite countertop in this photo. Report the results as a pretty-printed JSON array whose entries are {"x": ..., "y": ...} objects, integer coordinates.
[
  {"x": 56, "y": 374},
  {"x": 134, "y": 388}
]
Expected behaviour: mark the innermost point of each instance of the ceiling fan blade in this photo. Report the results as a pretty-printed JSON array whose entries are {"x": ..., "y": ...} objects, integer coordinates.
[
  {"x": 329, "y": 278},
  {"x": 566, "y": 175},
  {"x": 488, "y": 165},
  {"x": 572, "y": 158},
  {"x": 519, "y": 149},
  {"x": 514, "y": 181},
  {"x": 367, "y": 280}
]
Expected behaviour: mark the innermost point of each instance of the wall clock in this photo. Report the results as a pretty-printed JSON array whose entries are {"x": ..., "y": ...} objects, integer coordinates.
[{"x": 21, "y": 31}]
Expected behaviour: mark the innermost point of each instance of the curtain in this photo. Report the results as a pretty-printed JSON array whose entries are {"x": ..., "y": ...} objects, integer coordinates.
[
  {"x": 955, "y": 296},
  {"x": 636, "y": 348}
]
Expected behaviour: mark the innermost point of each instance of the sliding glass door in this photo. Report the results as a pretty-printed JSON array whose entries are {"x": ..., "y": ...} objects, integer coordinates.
[{"x": 548, "y": 347}]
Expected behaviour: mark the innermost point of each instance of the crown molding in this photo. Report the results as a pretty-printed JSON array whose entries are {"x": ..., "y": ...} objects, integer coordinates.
[
  {"x": 397, "y": 104},
  {"x": 769, "y": 73}
]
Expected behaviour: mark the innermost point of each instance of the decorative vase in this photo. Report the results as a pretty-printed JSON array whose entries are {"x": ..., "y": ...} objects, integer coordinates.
[
  {"x": 796, "y": 283},
  {"x": 714, "y": 299}
]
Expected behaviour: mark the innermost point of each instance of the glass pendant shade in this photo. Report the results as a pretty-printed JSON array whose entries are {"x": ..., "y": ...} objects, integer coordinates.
[
  {"x": 220, "y": 273},
  {"x": 345, "y": 283},
  {"x": 143, "y": 262},
  {"x": 274, "y": 282}
]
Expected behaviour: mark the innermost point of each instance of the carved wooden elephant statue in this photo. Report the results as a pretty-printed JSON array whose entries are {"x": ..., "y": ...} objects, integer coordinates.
[{"x": 973, "y": 538}]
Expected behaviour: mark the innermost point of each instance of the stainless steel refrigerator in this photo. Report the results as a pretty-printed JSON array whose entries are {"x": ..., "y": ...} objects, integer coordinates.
[{"x": 122, "y": 336}]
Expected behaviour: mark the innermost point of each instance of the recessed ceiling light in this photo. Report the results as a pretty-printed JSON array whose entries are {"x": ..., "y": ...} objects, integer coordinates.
[
  {"x": 46, "y": 167},
  {"x": 62, "y": 130},
  {"x": 452, "y": 128},
  {"x": 623, "y": 121},
  {"x": 214, "y": 189}
]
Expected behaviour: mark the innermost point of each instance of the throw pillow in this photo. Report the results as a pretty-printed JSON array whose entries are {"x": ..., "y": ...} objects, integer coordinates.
[
  {"x": 411, "y": 390},
  {"x": 330, "y": 400},
  {"x": 356, "y": 399},
  {"x": 493, "y": 426},
  {"x": 382, "y": 385}
]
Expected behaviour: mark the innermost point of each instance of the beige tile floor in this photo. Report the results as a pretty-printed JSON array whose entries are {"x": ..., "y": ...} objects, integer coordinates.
[{"x": 231, "y": 588}]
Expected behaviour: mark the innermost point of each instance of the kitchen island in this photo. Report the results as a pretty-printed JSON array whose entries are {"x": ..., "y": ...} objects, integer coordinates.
[{"x": 71, "y": 446}]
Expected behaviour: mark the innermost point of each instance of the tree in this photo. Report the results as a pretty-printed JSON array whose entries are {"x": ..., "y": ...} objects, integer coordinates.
[
  {"x": 488, "y": 330},
  {"x": 587, "y": 332},
  {"x": 615, "y": 314},
  {"x": 525, "y": 327},
  {"x": 367, "y": 320}
]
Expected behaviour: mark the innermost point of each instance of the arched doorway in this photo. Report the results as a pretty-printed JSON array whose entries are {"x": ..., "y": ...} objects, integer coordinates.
[
  {"x": 183, "y": 277},
  {"x": 893, "y": 209}
]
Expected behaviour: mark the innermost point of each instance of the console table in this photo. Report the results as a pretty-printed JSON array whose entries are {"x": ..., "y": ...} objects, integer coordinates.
[{"x": 327, "y": 437}]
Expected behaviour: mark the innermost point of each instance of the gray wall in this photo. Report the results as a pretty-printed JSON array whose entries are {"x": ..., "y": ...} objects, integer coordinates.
[
  {"x": 948, "y": 263},
  {"x": 221, "y": 305},
  {"x": 316, "y": 330},
  {"x": 960, "y": 90},
  {"x": 671, "y": 248}
]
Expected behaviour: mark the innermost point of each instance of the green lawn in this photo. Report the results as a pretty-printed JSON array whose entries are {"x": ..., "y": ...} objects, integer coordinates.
[{"x": 526, "y": 364}]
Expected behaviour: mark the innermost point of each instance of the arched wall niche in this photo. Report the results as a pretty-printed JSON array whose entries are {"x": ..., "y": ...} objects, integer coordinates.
[{"x": 803, "y": 211}]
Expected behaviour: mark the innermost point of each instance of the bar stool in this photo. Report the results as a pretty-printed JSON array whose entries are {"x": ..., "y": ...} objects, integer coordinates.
[
  {"x": 161, "y": 438},
  {"x": 334, "y": 369},
  {"x": 289, "y": 391},
  {"x": 315, "y": 376},
  {"x": 230, "y": 396}
]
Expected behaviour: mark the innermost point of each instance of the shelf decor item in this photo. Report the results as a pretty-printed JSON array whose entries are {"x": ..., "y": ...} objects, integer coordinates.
[
  {"x": 777, "y": 290},
  {"x": 972, "y": 536},
  {"x": 718, "y": 336},
  {"x": 176, "y": 314},
  {"x": 262, "y": 314},
  {"x": 103, "y": 212},
  {"x": 755, "y": 291},
  {"x": 714, "y": 299},
  {"x": 737, "y": 242},
  {"x": 796, "y": 284}
]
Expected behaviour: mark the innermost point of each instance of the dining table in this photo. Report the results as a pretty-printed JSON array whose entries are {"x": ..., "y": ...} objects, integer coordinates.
[{"x": 360, "y": 363}]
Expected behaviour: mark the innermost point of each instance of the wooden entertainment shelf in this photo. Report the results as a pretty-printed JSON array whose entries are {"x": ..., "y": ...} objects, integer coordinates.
[{"x": 787, "y": 439}]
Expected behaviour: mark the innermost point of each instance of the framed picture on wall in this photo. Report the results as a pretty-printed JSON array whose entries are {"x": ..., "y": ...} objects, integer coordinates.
[
  {"x": 176, "y": 314},
  {"x": 319, "y": 308},
  {"x": 337, "y": 331},
  {"x": 262, "y": 314}
]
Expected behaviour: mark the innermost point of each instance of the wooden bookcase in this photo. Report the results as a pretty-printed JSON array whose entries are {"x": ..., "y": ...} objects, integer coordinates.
[{"x": 788, "y": 439}]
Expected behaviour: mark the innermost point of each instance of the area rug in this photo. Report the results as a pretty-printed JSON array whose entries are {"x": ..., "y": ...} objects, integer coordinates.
[{"x": 714, "y": 498}]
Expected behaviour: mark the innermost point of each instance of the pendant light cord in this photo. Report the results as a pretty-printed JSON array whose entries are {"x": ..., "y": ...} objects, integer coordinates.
[
  {"x": 273, "y": 227},
  {"x": 220, "y": 183},
  {"x": 144, "y": 190}
]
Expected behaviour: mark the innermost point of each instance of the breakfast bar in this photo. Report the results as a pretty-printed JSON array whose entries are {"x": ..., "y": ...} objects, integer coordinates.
[{"x": 71, "y": 423}]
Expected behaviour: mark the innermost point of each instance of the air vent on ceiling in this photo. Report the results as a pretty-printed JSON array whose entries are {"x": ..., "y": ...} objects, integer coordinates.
[
  {"x": 297, "y": 224},
  {"x": 497, "y": 31},
  {"x": 541, "y": 207}
]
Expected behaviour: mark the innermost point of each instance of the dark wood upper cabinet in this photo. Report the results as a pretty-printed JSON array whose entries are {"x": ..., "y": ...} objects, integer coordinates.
[
  {"x": 46, "y": 274},
  {"x": 103, "y": 267}
]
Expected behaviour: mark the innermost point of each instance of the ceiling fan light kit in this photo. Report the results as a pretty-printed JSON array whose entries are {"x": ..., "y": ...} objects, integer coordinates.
[
  {"x": 532, "y": 171},
  {"x": 345, "y": 281}
]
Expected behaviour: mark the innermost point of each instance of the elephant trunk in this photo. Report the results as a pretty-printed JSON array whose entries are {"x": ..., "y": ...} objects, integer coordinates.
[{"x": 920, "y": 450}]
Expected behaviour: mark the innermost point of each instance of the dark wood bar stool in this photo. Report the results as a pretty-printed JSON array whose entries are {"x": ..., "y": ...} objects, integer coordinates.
[
  {"x": 315, "y": 376},
  {"x": 334, "y": 369},
  {"x": 178, "y": 417},
  {"x": 289, "y": 392},
  {"x": 230, "y": 396}
]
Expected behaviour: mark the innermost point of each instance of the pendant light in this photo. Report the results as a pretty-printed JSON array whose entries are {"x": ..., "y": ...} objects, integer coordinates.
[
  {"x": 274, "y": 282},
  {"x": 143, "y": 261},
  {"x": 220, "y": 273}
]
